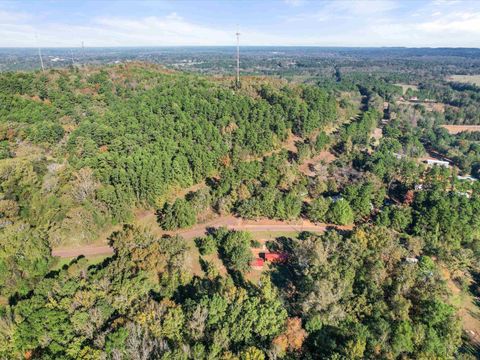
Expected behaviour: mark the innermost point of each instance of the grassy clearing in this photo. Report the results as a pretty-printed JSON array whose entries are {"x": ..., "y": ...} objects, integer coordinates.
[
  {"x": 405, "y": 87},
  {"x": 92, "y": 260},
  {"x": 468, "y": 79},
  {"x": 468, "y": 309}
]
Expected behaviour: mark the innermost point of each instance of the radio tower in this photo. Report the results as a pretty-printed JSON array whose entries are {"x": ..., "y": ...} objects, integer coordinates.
[
  {"x": 40, "y": 54},
  {"x": 83, "y": 55},
  {"x": 237, "y": 34},
  {"x": 71, "y": 56}
]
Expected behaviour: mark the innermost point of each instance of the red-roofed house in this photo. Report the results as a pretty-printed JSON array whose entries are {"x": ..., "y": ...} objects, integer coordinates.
[{"x": 257, "y": 263}]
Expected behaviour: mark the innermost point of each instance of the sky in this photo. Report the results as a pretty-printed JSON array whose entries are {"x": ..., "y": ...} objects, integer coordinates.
[{"x": 365, "y": 23}]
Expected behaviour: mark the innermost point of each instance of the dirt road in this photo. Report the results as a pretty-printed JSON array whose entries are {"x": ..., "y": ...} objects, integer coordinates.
[
  {"x": 230, "y": 222},
  {"x": 87, "y": 250},
  {"x": 456, "y": 129}
]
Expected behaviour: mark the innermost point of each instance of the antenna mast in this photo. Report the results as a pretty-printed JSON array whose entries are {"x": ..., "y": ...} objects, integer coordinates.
[
  {"x": 71, "y": 56},
  {"x": 237, "y": 34},
  {"x": 83, "y": 55},
  {"x": 40, "y": 54}
]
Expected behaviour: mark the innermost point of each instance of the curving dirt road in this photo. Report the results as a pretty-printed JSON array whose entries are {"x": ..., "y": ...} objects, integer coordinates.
[{"x": 230, "y": 222}]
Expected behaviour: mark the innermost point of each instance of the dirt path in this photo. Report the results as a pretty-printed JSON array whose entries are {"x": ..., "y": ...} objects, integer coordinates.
[
  {"x": 87, "y": 250},
  {"x": 230, "y": 222}
]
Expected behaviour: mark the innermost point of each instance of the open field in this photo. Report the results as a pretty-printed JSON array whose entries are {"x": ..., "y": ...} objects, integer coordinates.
[
  {"x": 405, "y": 87},
  {"x": 456, "y": 129},
  {"x": 469, "y": 79}
]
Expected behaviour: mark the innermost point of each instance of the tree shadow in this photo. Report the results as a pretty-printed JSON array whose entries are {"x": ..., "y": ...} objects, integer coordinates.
[
  {"x": 469, "y": 347},
  {"x": 283, "y": 274}
]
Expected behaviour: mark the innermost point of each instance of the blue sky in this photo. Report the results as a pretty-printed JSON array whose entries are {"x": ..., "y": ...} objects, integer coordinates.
[{"x": 269, "y": 22}]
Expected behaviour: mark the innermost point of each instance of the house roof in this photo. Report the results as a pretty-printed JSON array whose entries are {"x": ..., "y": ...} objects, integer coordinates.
[
  {"x": 275, "y": 256},
  {"x": 258, "y": 262}
]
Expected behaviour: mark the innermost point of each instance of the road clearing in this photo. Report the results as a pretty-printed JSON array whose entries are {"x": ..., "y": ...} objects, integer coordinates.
[{"x": 230, "y": 222}]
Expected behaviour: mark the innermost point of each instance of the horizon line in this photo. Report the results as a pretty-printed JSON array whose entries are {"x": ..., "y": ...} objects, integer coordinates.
[{"x": 233, "y": 46}]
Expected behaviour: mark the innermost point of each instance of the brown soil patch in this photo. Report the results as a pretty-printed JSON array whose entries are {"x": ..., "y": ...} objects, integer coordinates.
[
  {"x": 87, "y": 250},
  {"x": 306, "y": 167}
]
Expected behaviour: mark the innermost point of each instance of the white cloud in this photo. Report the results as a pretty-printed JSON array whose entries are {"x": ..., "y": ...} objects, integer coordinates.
[
  {"x": 454, "y": 23},
  {"x": 294, "y": 3},
  {"x": 10, "y": 17},
  {"x": 335, "y": 23},
  {"x": 114, "y": 31}
]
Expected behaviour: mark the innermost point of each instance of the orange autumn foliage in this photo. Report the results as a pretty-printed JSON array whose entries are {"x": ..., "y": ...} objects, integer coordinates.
[{"x": 293, "y": 336}]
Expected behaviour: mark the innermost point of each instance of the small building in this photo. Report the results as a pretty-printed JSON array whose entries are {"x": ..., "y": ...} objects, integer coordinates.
[
  {"x": 275, "y": 256},
  {"x": 463, "y": 193},
  {"x": 468, "y": 177},
  {"x": 418, "y": 187},
  {"x": 435, "y": 162},
  {"x": 411, "y": 260}
]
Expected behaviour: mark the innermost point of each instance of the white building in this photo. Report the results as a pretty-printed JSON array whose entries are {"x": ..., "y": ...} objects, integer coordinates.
[{"x": 433, "y": 162}]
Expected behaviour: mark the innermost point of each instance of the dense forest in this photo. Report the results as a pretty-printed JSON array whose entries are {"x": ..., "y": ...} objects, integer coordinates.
[{"x": 85, "y": 150}]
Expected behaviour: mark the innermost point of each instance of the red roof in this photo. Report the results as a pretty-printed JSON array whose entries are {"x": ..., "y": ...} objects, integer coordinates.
[
  {"x": 257, "y": 262},
  {"x": 275, "y": 256}
]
